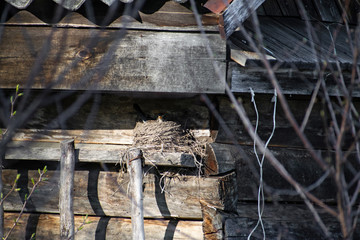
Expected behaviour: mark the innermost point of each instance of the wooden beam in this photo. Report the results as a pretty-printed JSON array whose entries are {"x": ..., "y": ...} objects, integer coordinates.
[
  {"x": 46, "y": 226},
  {"x": 67, "y": 169},
  {"x": 100, "y": 153},
  {"x": 93, "y": 136},
  {"x": 82, "y": 59},
  {"x": 105, "y": 194},
  {"x": 220, "y": 158}
]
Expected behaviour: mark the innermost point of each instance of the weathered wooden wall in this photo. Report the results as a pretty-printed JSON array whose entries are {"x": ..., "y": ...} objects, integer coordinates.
[
  {"x": 47, "y": 226},
  {"x": 288, "y": 217}
]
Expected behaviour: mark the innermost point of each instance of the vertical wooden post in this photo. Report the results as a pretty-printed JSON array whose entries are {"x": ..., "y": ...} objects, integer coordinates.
[
  {"x": 2, "y": 205},
  {"x": 67, "y": 168},
  {"x": 134, "y": 163}
]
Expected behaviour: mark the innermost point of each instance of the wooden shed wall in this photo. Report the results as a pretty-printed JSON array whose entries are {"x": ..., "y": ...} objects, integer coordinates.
[{"x": 106, "y": 120}]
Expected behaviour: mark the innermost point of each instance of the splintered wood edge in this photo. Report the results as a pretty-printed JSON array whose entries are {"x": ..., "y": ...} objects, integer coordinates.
[{"x": 241, "y": 57}]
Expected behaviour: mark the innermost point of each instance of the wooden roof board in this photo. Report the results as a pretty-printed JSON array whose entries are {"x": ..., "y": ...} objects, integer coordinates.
[
  {"x": 310, "y": 9},
  {"x": 142, "y": 61},
  {"x": 288, "y": 41},
  {"x": 272, "y": 8},
  {"x": 282, "y": 43},
  {"x": 323, "y": 38},
  {"x": 328, "y": 10},
  {"x": 288, "y": 8}
]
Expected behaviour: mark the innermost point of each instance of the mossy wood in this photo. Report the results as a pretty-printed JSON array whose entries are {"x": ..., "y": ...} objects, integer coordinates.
[{"x": 105, "y": 194}]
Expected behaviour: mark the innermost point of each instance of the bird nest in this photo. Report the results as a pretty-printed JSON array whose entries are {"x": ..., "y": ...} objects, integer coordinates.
[{"x": 165, "y": 136}]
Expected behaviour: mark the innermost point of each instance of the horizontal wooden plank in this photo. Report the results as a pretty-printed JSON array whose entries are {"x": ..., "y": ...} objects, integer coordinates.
[
  {"x": 47, "y": 226},
  {"x": 299, "y": 163},
  {"x": 105, "y": 193},
  {"x": 140, "y": 61},
  {"x": 284, "y": 135},
  {"x": 170, "y": 16},
  {"x": 94, "y": 136},
  {"x": 111, "y": 112},
  {"x": 290, "y": 221},
  {"x": 100, "y": 153},
  {"x": 291, "y": 81}
]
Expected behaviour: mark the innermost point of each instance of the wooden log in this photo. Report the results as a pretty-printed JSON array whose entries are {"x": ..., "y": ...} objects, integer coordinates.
[
  {"x": 46, "y": 226},
  {"x": 134, "y": 162},
  {"x": 105, "y": 194},
  {"x": 139, "y": 70},
  {"x": 290, "y": 221},
  {"x": 212, "y": 222},
  {"x": 297, "y": 162},
  {"x": 100, "y": 153},
  {"x": 67, "y": 169},
  {"x": 220, "y": 158}
]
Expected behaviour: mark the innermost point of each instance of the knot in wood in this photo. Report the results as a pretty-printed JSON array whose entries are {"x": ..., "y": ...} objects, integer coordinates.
[{"x": 84, "y": 54}]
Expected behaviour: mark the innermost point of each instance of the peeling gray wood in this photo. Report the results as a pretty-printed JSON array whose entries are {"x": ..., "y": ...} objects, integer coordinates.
[{"x": 139, "y": 62}]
